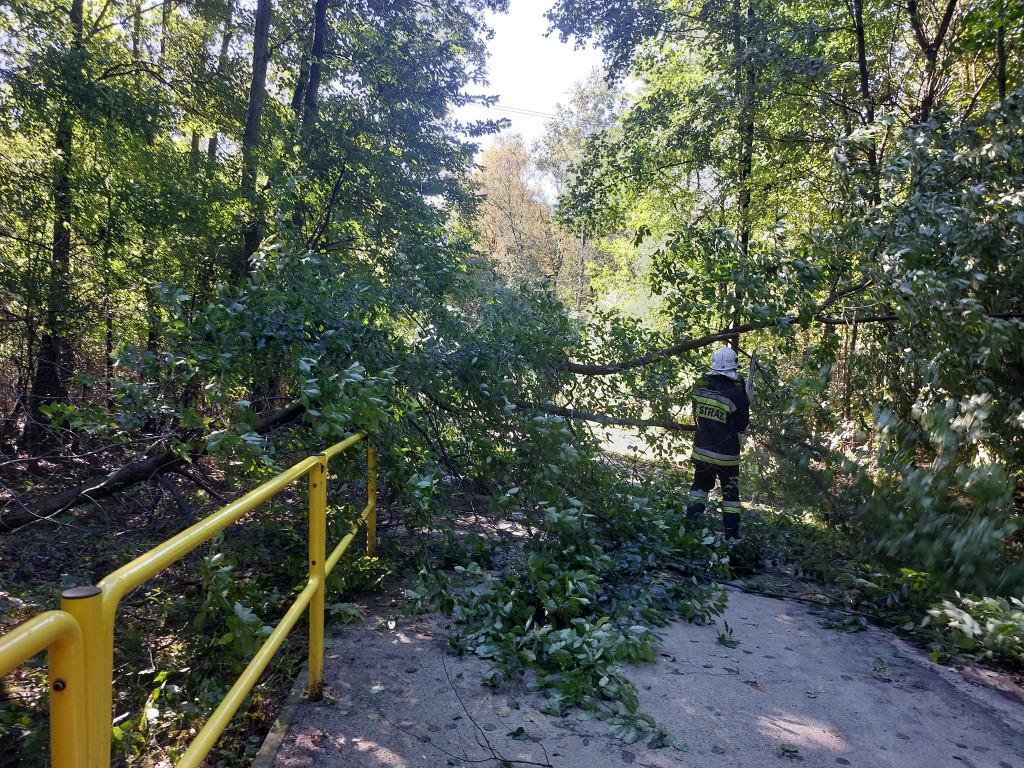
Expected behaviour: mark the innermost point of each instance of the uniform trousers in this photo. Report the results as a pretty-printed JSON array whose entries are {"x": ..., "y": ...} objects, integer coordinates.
[{"x": 704, "y": 476}]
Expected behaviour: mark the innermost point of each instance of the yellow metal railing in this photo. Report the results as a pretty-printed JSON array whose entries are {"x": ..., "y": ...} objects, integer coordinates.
[
  {"x": 80, "y": 636},
  {"x": 58, "y": 633}
]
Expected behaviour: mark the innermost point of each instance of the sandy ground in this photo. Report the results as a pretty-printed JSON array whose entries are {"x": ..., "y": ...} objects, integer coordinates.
[{"x": 790, "y": 692}]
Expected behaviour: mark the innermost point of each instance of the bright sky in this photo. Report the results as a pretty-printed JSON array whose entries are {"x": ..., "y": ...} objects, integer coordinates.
[{"x": 530, "y": 72}]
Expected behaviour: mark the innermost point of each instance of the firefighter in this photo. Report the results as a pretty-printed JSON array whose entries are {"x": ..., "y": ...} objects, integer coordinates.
[{"x": 721, "y": 411}]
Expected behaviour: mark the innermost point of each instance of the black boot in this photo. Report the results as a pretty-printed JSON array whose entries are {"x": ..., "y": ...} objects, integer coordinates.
[
  {"x": 731, "y": 524},
  {"x": 694, "y": 511},
  {"x": 695, "y": 505}
]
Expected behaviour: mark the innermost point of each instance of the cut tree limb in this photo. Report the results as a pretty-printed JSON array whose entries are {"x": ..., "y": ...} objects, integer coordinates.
[
  {"x": 597, "y": 369},
  {"x": 17, "y": 513},
  {"x": 590, "y": 369}
]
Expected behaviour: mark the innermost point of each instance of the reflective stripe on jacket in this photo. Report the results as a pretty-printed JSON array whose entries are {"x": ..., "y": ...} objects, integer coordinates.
[{"x": 721, "y": 411}]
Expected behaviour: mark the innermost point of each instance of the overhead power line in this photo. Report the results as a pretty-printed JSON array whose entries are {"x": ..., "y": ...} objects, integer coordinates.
[
  {"x": 514, "y": 110},
  {"x": 532, "y": 113}
]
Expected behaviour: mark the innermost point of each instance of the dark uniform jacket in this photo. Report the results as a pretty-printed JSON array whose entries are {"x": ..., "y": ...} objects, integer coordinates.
[{"x": 721, "y": 410}]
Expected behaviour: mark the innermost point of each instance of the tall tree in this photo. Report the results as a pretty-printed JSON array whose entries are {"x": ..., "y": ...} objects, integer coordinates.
[
  {"x": 594, "y": 106},
  {"x": 802, "y": 166},
  {"x": 252, "y": 234},
  {"x": 517, "y": 231},
  {"x": 142, "y": 85},
  {"x": 54, "y": 365}
]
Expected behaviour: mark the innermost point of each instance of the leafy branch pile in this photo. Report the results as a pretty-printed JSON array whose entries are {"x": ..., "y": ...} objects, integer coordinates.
[
  {"x": 575, "y": 596},
  {"x": 989, "y": 627}
]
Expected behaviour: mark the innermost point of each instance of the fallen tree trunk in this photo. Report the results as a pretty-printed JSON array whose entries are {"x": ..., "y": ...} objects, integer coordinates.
[
  {"x": 590, "y": 369},
  {"x": 18, "y": 513}
]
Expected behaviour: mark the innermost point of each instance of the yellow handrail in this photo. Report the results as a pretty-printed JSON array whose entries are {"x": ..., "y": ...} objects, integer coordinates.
[
  {"x": 80, "y": 636},
  {"x": 57, "y": 632}
]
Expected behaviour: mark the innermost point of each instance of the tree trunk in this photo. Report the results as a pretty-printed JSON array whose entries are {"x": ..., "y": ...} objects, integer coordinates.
[
  {"x": 316, "y": 64},
  {"x": 222, "y": 62},
  {"x": 299, "y": 94},
  {"x": 745, "y": 84},
  {"x": 52, "y": 365},
  {"x": 251, "y": 137},
  {"x": 865, "y": 95},
  {"x": 137, "y": 32},
  {"x": 306, "y": 97},
  {"x": 1001, "y": 53},
  {"x": 165, "y": 20},
  {"x": 930, "y": 48},
  {"x": 928, "y": 97}
]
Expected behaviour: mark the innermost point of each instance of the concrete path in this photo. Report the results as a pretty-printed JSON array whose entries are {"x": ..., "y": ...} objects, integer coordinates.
[{"x": 790, "y": 692}]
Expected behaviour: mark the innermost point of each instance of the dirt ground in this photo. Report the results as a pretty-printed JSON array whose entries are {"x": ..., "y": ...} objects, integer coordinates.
[{"x": 790, "y": 692}]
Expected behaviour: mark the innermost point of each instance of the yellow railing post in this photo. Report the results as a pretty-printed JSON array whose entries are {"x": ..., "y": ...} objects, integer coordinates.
[
  {"x": 67, "y": 701},
  {"x": 58, "y": 633},
  {"x": 85, "y": 604},
  {"x": 317, "y": 572},
  {"x": 371, "y": 501}
]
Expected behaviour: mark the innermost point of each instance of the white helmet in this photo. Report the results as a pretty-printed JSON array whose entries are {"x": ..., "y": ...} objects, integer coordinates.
[{"x": 724, "y": 362}]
